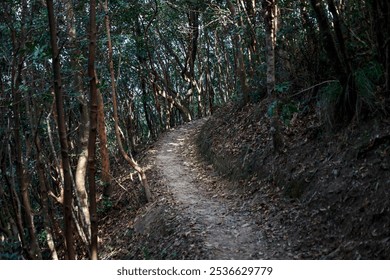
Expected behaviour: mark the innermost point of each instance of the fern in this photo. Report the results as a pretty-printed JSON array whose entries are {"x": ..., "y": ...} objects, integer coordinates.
[
  {"x": 366, "y": 80},
  {"x": 328, "y": 96}
]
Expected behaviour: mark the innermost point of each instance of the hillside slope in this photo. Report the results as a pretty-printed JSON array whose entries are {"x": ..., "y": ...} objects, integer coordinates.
[{"x": 327, "y": 194}]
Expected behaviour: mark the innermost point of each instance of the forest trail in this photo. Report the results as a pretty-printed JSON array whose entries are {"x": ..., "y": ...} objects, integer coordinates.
[{"x": 227, "y": 230}]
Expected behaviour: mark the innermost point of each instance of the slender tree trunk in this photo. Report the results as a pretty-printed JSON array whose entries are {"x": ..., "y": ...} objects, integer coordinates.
[
  {"x": 249, "y": 7},
  {"x": 141, "y": 45},
  {"x": 269, "y": 7},
  {"x": 105, "y": 157},
  {"x": 81, "y": 169},
  {"x": 128, "y": 158},
  {"x": 16, "y": 205},
  {"x": 22, "y": 180},
  {"x": 44, "y": 199},
  {"x": 93, "y": 105},
  {"x": 62, "y": 132},
  {"x": 327, "y": 38},
  {"x": 346, "y": 104},
  {"x": 345, "y": 107},
  {"x": 158, "y": 107},
  {"x": 17, "y": 66},
  {"x": 381, "y": 28},
  {"x": 338, "y": 27},
  {"x": 270, "y": 21},
  {"x": 131, "y": 126},
  {"x": 193, "y": 21},
  {"x": 208, "y": 79},
  {"x": 222, "y": 82},
  {"x": 145, "y": 107},
  {"x": 241, "y": 71}
]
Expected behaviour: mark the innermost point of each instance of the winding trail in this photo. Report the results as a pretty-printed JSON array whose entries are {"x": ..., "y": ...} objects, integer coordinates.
[{"x": 228, "y": 231}]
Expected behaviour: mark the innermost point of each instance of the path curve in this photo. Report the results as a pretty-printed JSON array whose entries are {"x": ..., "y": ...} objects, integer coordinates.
[{"x": 228, "y": 231}]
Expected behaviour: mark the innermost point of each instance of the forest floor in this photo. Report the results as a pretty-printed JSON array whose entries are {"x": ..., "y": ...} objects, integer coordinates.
[
  {"x": 194, "y": 215},
  {"x": 219, "y": 219},
  {"x": 220, "y": 192}
]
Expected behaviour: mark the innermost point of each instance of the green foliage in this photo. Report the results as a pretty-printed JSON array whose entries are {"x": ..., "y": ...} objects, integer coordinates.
[
  {"x": 367, "y": 78},
  {"x": 42, "y": 237},
  {"x": 105, "y": 206},
  {"x": 39, "y": 52},
  {"x": 327, "y": 98},
  {"x": 10, "y": 249},
  {"x": 287, "y": 112},
  {"x": 272, "y": 108},
  {"x": 331, "y": 91},
  {"x": 282, "y": 87},
  {"x": 367, "y": 81}
]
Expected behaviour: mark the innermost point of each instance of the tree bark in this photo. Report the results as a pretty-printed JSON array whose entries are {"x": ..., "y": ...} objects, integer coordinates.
[
  {"x": 270, "y": 19},
  {"x": 93, "y": 105},
  {"x": 17, "y": 65},
  {"x": 249, "y": 7},
  {"x": 44, "y": 199},
  {"x": 105, "y": 157},
  {"x": 141, "y": 45},
  {"x": 345, "y": 107},
  {"x": 240, "y": 68},
  {"x": 62, "y": 132},
  {"x": 81, "y": 169},
  {"x": 381, "y": 28},
  {"x": 128, "y": 158}
]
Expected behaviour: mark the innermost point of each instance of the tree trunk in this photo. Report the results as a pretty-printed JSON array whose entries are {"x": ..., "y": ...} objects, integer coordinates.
[
  {"x": 105, "y": 157},
  {"x": 141, "y": 45},
  {"x": 44, "y": 199},
  {"x": 249, "y": 7},
  {"x": 17, "y": 65},
  {"x": 145, "y": 107},
  {"x": 62, "y": 132},
  {"x": 15, "y": 201},
  {"x": 270, "y": 19},
  {"x": 81, "y": 169},
  {"x": 337, "y": 26},
  {"x": 128, "y": 158},
  {"x": 346, "y": 104},
  {"x": 193, "y": 22},
  {"x": 381, "y": 28},
  {"x": 93, "y": 105},
  {"x": 241, "y": 71},
  {"x": 345, "y": 107},
  {"x": 131, "y": 125}
]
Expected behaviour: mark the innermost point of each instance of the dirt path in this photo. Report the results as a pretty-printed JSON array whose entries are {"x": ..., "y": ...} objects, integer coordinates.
[{"x": 227, "y": 229}]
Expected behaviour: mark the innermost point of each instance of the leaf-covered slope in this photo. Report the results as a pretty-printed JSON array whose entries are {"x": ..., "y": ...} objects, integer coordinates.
[{"x": 326, "y": 194}]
